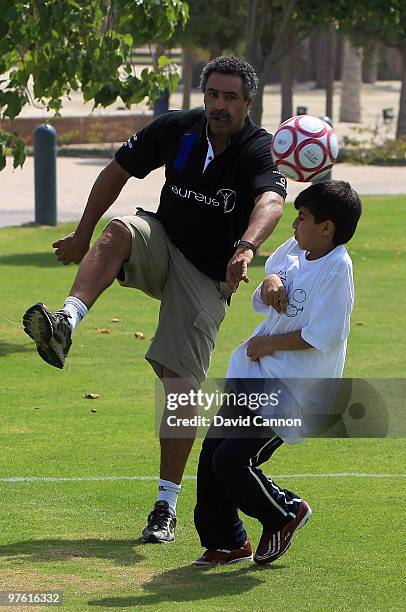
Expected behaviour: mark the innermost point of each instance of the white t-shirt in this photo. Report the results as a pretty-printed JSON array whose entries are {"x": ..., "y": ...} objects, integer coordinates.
[{"x": 320, "y": 296}]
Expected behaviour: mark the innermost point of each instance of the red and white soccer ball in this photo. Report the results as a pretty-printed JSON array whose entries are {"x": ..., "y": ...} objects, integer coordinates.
[{"x": 304, "y": 147}]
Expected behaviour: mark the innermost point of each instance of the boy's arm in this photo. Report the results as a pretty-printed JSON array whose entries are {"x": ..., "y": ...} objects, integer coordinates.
[{"x": 260, "y": 346}]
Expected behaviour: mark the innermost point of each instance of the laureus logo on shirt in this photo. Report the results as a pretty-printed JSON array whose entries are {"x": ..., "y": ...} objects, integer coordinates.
[
  {"x": 226, "y": 198},
  {"x": 229, "y": 197}
]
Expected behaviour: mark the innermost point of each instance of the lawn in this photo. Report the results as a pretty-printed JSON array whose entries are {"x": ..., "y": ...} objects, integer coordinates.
[{"x": 82, "y": 536}]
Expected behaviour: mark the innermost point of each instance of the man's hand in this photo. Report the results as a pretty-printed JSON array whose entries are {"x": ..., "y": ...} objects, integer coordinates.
[
  {"x": 273, "y": 293},
  {"x": 71, "y": 249},
  {"x": 259, "y": 346},
  {"x": 237, "y": 267}
]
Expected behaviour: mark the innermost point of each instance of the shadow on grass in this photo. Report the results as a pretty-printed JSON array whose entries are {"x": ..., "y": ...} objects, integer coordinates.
[
  {"x": 121, "y": 552},
  {"x": 39, "y": 260},
  {"x": 191, "y": 583},
  {"x": 6, "y": 348}
]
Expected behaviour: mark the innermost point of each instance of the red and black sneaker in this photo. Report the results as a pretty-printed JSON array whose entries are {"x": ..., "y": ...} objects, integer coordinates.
[
  {"x": 223, "y": 556},
  {"x": 274, "y": 543}
]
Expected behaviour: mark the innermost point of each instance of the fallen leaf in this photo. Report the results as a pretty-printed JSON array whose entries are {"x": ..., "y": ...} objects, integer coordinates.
[
  {"x": 91, "y": 396},
  {"x": 139, "y": 335},
  {"x": 102, "y": 330},
  {"x": 115, "y": 320}
]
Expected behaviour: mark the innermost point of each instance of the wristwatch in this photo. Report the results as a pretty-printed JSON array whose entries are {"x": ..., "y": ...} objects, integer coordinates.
[{"x": 245, "y": 243}]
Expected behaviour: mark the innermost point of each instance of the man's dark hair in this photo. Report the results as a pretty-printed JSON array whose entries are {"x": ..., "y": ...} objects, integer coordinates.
[
  {"x": 336, "y": 201},
  {"x": 228, "y": 64}
]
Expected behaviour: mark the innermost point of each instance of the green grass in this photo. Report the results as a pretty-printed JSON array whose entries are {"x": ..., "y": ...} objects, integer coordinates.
[{"x": 82, "y": 537}]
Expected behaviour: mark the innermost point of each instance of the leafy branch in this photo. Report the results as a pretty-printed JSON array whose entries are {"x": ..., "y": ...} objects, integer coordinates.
[{"x": 50, "y": 47}]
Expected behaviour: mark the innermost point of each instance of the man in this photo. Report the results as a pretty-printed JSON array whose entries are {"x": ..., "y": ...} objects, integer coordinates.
[{"x": 222, "y": 198}]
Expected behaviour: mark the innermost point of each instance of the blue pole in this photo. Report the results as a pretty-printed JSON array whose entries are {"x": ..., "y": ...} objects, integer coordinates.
[
  {"x": 45, "y": 175},
  {"x": 161, "y": 106}
]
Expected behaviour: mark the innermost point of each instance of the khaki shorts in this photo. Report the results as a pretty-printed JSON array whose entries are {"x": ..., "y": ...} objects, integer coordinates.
[{"x": 192, "y": 304}]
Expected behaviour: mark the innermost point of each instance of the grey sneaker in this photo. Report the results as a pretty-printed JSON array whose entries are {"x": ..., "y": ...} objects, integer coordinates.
[
  {"x": 161, "y": 525},
  {"x": 51, "y": 333}
]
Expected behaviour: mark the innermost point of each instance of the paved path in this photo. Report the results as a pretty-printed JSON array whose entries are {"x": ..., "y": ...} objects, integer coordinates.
[{"x": 75, "y": 177}]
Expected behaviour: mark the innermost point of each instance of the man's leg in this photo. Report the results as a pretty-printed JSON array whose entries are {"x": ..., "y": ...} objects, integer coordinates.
[
  {"x": 101, "y": 265},
  {"x": 192, "y": 308},
  {"x": 175, "y": 452},
  {"x": 50, "y": 331}
]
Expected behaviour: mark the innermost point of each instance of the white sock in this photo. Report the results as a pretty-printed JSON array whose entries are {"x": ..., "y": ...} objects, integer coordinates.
[
  {"x": 168, "y": 491},
  {"x": 75, "y": 309}
]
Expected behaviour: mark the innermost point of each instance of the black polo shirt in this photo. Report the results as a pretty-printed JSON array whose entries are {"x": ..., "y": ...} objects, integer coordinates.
[{"x": 203, "y": 213}]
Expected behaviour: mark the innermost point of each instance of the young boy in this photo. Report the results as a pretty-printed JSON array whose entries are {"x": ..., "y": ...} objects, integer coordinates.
[{"x": 308, "y": 295}]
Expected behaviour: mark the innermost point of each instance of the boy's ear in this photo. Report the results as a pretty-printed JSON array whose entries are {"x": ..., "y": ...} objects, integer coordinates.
[{"x": 328, "y": 227}]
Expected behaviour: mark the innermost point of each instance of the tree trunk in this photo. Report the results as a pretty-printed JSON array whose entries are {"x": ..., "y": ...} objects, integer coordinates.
[
  {"x": 287, "y": 78},
  {"x": 303, "y": 68},
  {"x": 258, "y": 105},
  {"x": 187, "y": 71},
  {"x": 254, "y": 55},
  {"x": 350, "y": 104},
  {"x": 262, "y": 51},
  {"x": 339, "y": 56},
  {"x": 321, "y": 60},
  {"x": 330, "y": 68},
  {"x": 370, "y": 63},
  {"x": 401, "y": 126}
]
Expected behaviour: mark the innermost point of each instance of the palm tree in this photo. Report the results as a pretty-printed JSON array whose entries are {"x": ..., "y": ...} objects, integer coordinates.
[
  {"x": 351, "y": 81},
  {"x": 401, "y": 125}
]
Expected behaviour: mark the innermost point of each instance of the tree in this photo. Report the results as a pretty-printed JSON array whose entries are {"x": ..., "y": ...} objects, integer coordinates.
[
  {"x": 286, "y": 77},
  {"x": 274, "y": 27},
  {"x": 351, "y": 80},
  {"x": 213, "y": 25},
  {"x": 370, "y": 61},
  {"x": 330, "y": 67},
  {"x": 50, "y": 47},
  {"x": 383, "y": 20},
  {"x": 268, "y": 21}
]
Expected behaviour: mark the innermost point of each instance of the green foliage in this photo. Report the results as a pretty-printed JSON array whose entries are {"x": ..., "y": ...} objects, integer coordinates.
[
  {"x": 384, "y": 20},
  {"x": 392, "y": 152},
  {"x": 215, "y": 24},
  {"x": 9, "y": 142},
  {"x": 371, "y": 146},
  {"x": 50, "y": 47}
]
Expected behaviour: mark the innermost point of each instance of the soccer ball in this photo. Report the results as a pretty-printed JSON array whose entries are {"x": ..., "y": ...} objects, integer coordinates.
[{"x": 304, "y": 147}]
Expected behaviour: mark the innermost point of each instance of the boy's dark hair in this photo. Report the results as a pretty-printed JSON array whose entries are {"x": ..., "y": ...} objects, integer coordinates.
[
  {"x": 228, "y": 64},
  {"x": 336, "y": 201}
]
